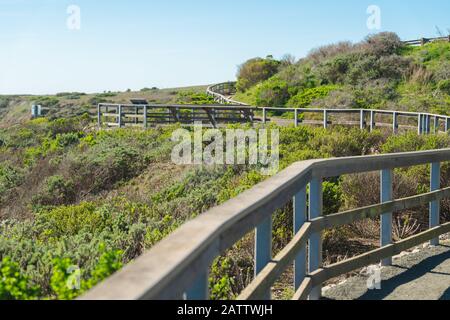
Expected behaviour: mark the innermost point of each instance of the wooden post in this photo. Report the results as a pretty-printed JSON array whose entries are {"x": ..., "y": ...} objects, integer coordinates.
[
  {"x": 136, "y": 112},
  {"x": 447, "y": 125},
  {"x": 428, "y": 124},
  {"x": 435, "y": 205},
  {"x": 325, "y": 119},
  {"x": 264, "y": 115},
  {"x": 119, "y": 116},
  {"x": 372, "y": 120},
  {"x": 263, "y": 248},
  {"x": 299, "y": 220},
  {"x": 99, "y": 116},
  {"x": 386, "y": 218},
  {"x": 200, "y": 288},
  {"x": 145, "y": 117},
  {"x": 395, "y": 123},
  {"x": 315, "y": 241},
  {"x": 362, "y": 120},
  {"x": 296, "y": 117},
  {"x": 436, "y": 125},
  {"x": 419, "y": 124}
]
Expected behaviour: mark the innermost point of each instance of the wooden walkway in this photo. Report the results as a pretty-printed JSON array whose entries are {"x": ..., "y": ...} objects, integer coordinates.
[{"x": 178, "y": 267}]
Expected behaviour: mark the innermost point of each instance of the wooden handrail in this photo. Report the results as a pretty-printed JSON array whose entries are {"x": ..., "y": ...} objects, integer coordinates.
[
  {"x": 278, "y": 265},
  {"x": 324, "y": 274},
  {"x": 170, "y": 268}
]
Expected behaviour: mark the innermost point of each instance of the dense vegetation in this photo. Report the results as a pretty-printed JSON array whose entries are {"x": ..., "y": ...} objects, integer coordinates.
[
  {"x": 73, "y": 197},
  {"x": 378, "y": 73},
  {"x": 97, "y": 200}
]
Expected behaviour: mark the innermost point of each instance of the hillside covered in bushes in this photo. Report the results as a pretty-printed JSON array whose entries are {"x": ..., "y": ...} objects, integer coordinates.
[
  {"x": 377, "y": 73},
  {"x": 74, "y": 196}
]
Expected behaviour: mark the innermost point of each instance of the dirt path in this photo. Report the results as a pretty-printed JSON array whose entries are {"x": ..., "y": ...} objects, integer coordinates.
[{"x": 423, "y": 275}]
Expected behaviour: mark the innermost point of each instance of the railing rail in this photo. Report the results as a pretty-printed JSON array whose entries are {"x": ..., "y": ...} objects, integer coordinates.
[
  {"x": 367, "y": 118},
  {"x": 221, "y": 92},
  {"x": 423, "y": 41},
  {"x": 121, "y": 115},
  {"x": 178, "y": 266}
]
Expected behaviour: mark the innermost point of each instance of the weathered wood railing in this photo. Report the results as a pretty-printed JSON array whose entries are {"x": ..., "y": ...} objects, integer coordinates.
[
  {"x": 424, "y": 41},
  {"x": 122, "y": 115},
  {"x": 367, "y": 119},
  {"x": 178, "y": 266},
  {"x": 221, "y": 93},
  {"x": 117, "y": 115}
]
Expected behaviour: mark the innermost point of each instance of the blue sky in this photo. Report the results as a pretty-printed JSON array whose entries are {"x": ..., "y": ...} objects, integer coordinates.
[{"x": 135, "y": 44}]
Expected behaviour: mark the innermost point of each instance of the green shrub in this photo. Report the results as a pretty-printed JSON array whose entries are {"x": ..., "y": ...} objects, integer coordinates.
[
  {"x": 10, "y": 177},
  {"x": 190, "y": 97},
  {"x": 444, "y": 86},
  {"x": 57, "y": 191},
  {"x": 13, "y": 284},
  {"x": 272, "y": 93},
  {"x": 305, "y": 98},
  {"x": 67, "y": 282},
  {"x": 47, "y": 101},
  {"x": 71, "y": 220},
  {"x": 255, "y": 71}
]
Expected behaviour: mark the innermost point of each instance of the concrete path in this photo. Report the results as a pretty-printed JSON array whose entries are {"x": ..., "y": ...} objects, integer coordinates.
[{"x": 422, "y": 275}]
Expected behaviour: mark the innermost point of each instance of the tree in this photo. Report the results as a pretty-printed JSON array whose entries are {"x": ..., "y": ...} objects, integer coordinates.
[{"x": 255, "y": 71}]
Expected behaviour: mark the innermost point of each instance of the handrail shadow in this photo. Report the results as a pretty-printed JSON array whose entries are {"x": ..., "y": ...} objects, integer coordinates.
[{"x": 419, "y": 270}]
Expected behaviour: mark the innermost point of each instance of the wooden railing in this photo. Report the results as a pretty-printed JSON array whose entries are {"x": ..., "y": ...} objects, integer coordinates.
[
  {"x": 125, "y": 115},
  {"x": 221, "y": 93},
  {"x": 424, "y": 41},
  {"x": 366, "y": 119},
  {"x": 178, "y": 266}
]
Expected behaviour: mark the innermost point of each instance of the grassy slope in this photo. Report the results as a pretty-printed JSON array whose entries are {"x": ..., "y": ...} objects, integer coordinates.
[
  {"x": 415, "y": 89},
  {"x": 18, "y": 109}
]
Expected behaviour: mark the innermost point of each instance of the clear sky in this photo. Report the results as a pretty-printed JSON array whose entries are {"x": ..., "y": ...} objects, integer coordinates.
[{"x": 167, "y": 43}]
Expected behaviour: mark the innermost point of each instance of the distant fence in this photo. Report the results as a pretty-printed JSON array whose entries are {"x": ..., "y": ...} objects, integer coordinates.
[
  {"x": 425, "y": 123},
  {"x": 424, "y": 41},
  {"x": 221, "y": 93},
  {"x": 134, "y": 115}
]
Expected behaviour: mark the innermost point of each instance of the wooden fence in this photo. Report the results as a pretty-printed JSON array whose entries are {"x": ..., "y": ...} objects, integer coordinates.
[
  {"x": 424, "y": 41},
  {"x": 425, "y": 123},
  {"x": 126, "y": 115},
  {"x": 222, "y": 92},
  {"x": 178, "y": 266}
]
